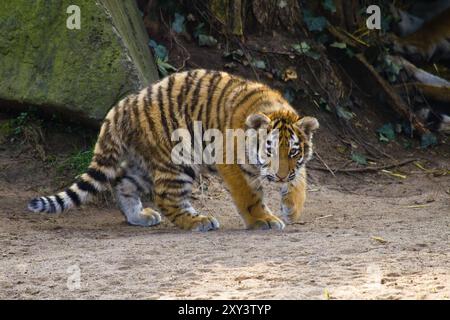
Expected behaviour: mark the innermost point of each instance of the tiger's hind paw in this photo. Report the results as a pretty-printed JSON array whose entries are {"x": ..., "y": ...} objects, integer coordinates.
[
  {"x": 146, "y": 218},
  {"x": 204, "y": 223}
]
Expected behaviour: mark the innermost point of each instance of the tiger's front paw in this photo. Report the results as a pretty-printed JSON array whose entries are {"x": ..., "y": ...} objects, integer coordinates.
[
  {"x": 290, "y": 214},
  {"x": 267, "y": 222}
]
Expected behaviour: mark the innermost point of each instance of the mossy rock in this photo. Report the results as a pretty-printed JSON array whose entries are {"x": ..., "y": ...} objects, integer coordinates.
[{"x": 81, "y": 73}]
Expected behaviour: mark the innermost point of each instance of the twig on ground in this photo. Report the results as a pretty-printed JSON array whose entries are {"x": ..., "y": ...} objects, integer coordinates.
[
  {"x": 364, "y": 169},
  {"x": 324, "y": 163}
]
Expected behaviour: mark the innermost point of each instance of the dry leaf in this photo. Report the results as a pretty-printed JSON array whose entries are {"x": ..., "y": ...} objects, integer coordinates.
[
  {"x": 379, "y": 239},
  {"x": 326, "y": 294},
  {"x": 289, "y": 74},
  {"x": 397, "y": 175}
]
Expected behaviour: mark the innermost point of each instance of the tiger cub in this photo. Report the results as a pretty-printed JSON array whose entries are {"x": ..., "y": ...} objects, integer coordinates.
[{"x": 133, "y": 152}]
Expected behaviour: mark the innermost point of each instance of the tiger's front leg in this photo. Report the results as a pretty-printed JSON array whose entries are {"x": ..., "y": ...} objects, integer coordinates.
[
  {"x": 293, "y": 196},
  {"x": 172, "y": 196},
  {"x": 248, "y": 200}
]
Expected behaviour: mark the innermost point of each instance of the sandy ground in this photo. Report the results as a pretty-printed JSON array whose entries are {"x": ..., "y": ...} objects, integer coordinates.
[{"x": 386, "y": 240}]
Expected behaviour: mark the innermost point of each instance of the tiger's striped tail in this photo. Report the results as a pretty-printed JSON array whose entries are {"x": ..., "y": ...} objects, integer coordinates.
[{"x": 103, "y": 169}]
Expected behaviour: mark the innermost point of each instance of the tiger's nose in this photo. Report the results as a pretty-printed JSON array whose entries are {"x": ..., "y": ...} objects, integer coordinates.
[{"x": 280, "y": 178}]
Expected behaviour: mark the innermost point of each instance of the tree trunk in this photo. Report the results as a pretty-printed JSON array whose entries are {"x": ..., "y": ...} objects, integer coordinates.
[{"x": 236, "y": 15}]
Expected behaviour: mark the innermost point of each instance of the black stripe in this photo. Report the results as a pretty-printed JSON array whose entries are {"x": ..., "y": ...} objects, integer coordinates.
[
  {"x": 60, "y": 202},
  {"x": 247, "y": 96},
  {"x": 86, "y": 186},
  {"x": 52, "y": 205},
  {"x": 219, "y": 101},
  {"x": 43, "y": 206},
  {"x": 173, "y": 193},
  {"x": 168, "y": 181},
  {"x": 250, "y": 207},
  {"x": 97, "y": 175},
  {"x": 105, "y": 160},
  {"x": 182, "y": 93},
  {"x": 189, "y": 171},
  {"x": 163, "y": 116},
  {"x": 173, "y": 216},
  {"x": 249, "y": 173},
  {"x": 133, "y": 181},
  {"x": 171, "y": 106},
  {"x": 74, "y": 197},
  {"x": 212, "y": 88},
  {"x": 196, "y": 94}
]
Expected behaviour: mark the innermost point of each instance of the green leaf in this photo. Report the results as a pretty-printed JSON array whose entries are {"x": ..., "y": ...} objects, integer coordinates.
[
  {"x": 206, "y": 41},
  {"x": 359, "y": 158},
  {"x": 329, "y": 5},
  {"x": 428, "y": 140},
  {"x": 324, "y": 104},
  {"x": 386, "y": 133},
  {"x": 349, "y": 52},
  {"x": 314, "y": 23},
  {"x": 164, "y": 67},
  {"x": 160, "y": 50},
  {"x": 301, "y": 47},
  {"x": 260, "y": 64},
  {"x": 339, "y": 45},
  {"x": 342, "y": 112},
  {"x": 282, "y": 4},
  {"x": 178, "y": 24},
  {"x": 305, "y": 49}
]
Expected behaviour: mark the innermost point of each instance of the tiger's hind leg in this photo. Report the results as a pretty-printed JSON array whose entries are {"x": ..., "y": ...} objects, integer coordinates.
[
  {"x": 128, "y": 189},
  {"x": 172, "y": 196}
]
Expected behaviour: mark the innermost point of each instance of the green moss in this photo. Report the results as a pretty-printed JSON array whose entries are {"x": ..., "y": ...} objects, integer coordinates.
[{"x": 45, "y": 64}]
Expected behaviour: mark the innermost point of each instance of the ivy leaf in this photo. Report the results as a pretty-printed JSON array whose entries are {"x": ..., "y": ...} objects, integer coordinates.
[
  {"x": 260, "y": 64},
  {"x": 305, "y": 49},
  {"x": 282, "y": 4},
  {"x": 314, "y": 23},
  {"x": 339, "y": 45},
  {"x": 342, "y": 112},
  {"x": 164, "y": 67},
  {"x": 160, "y": 50},
  {"x": 301, "y": 47},
  {"x": 329, "y": 5},
  {"x": 359, "y": 158},
  {"x": 386, "y": 132},
  {"x": 324, "y": 104},
  {"x": 178, "y": 24},
  {"x": 427, "y": 140},
  {"x": 206, "y": 41}
]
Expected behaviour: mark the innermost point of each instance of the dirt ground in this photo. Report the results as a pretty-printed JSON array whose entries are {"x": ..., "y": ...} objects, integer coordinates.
[{"x": 364, "y": 236}]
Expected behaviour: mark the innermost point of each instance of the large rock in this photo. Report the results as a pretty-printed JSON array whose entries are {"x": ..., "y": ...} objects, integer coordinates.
[{"x": 77, "y": 72}]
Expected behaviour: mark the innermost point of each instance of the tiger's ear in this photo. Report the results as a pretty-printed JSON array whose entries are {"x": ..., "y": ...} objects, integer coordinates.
[
  {"x": 308, "y": 125},
  {"x": 257, "y": 121}
]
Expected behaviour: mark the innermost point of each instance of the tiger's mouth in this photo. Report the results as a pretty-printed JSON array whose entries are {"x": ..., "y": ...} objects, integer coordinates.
[{"x": 275, "y": 178}]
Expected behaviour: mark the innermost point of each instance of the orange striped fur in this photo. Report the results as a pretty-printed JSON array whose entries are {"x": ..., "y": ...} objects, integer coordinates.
[{"x": 133, "y": 152}]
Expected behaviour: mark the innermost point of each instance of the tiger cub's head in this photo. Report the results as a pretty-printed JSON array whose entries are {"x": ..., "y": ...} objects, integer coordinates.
[{"x": 286, "y": 146}]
